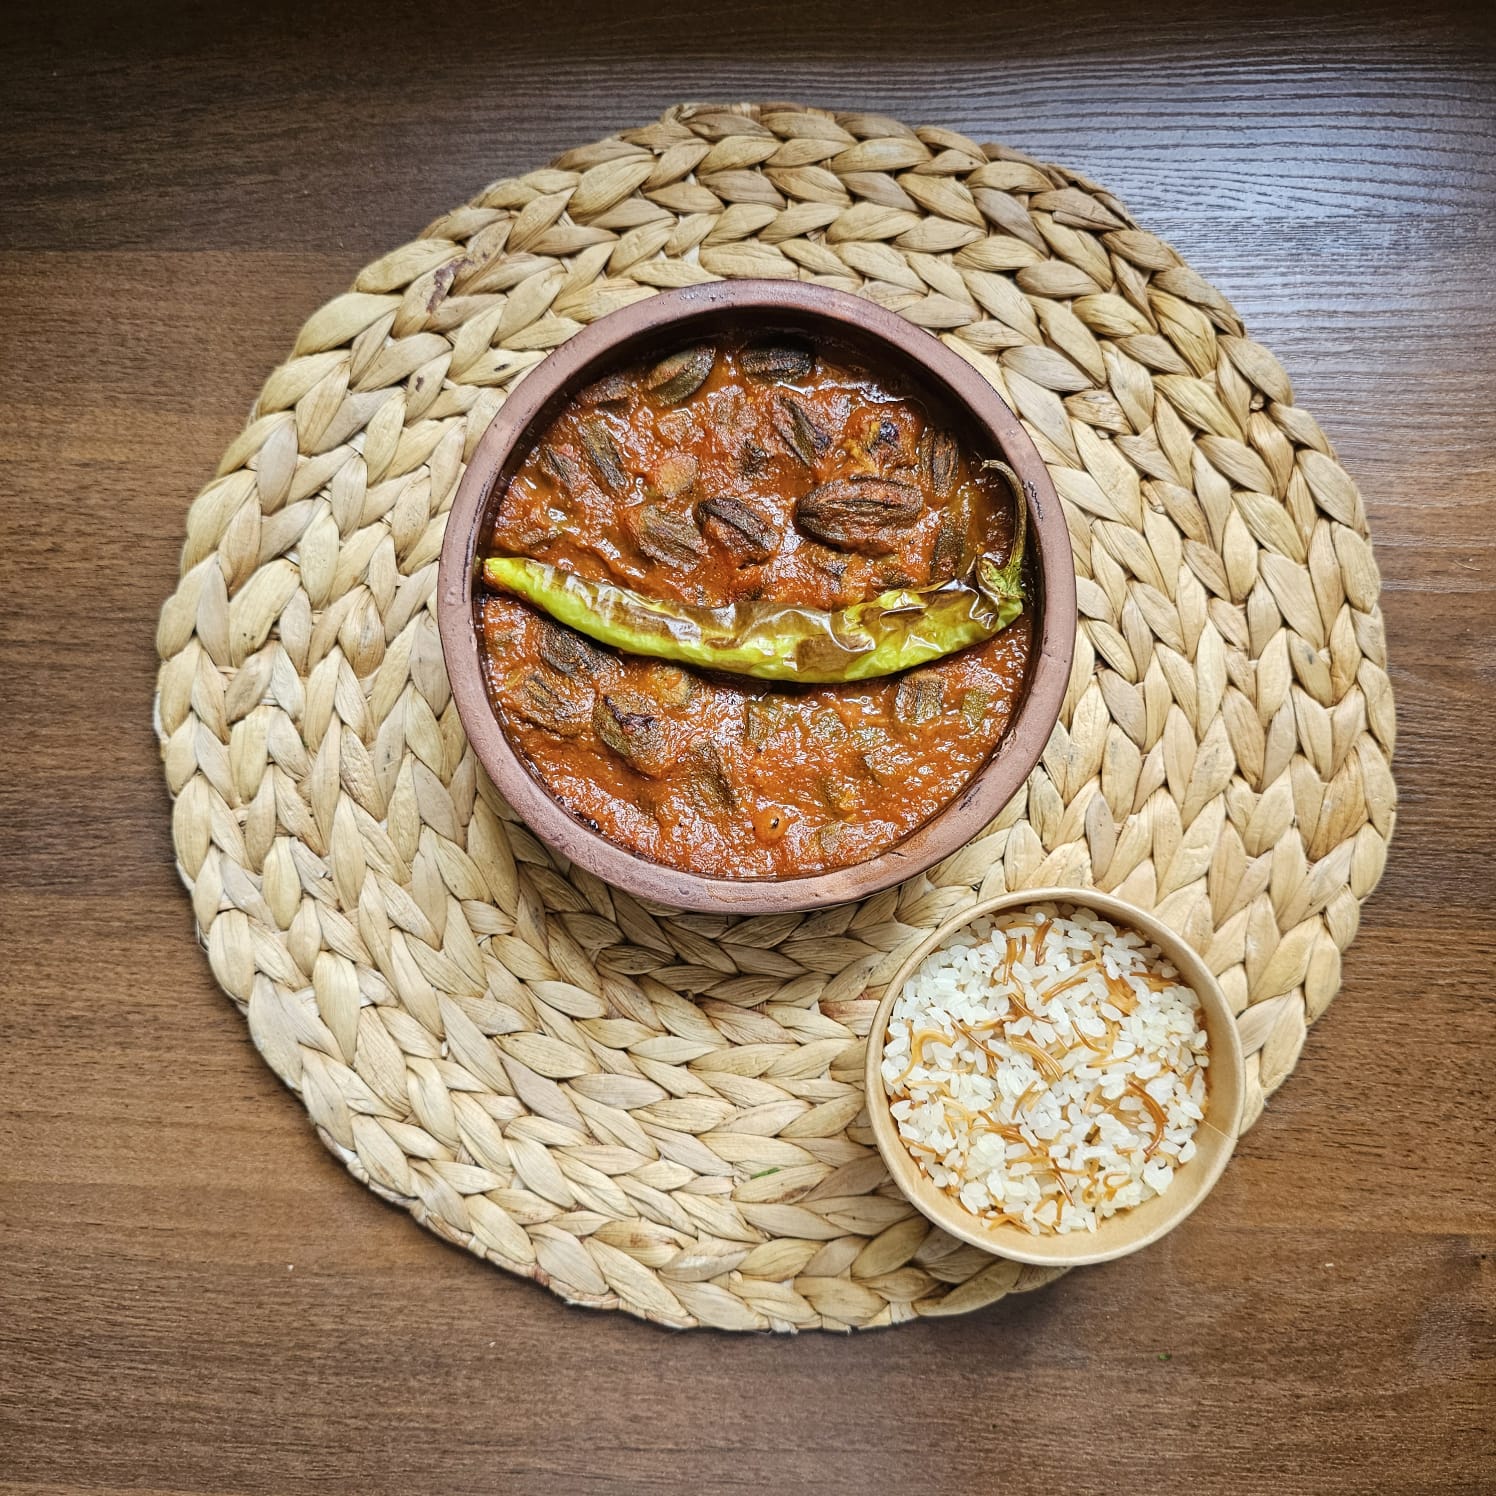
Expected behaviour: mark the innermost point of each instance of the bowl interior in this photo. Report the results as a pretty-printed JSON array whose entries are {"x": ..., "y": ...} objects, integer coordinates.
[
  {"x": 887, "y": 341},
  {"x": 1128, "y": 1230}
]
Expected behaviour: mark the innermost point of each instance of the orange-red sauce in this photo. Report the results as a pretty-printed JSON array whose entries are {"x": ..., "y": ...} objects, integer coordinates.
[{"x": 694, "y": 490}]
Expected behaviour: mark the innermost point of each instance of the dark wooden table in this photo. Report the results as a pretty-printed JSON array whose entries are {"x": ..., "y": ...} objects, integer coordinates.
[{"x": 193, "y": 1296}]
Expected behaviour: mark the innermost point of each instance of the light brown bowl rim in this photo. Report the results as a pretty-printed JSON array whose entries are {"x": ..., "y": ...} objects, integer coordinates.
[
  {"x": 959, "y": 384},
  {"x": 1129, "y": 1230}
]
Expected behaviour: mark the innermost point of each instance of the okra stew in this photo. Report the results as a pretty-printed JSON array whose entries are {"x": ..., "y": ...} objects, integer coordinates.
[{"x": 755, "y": 609}]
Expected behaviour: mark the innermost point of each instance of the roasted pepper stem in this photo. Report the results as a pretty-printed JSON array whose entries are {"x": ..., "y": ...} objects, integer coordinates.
[{"x": 894, "y": 631}]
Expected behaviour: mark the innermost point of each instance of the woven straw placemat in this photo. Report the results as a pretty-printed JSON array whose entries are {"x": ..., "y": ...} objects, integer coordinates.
[{"x": 660, "y": 1112}]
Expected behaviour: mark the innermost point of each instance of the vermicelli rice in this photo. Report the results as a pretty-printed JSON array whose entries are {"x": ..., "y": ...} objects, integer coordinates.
[{"x": 1047, "y": 1068}]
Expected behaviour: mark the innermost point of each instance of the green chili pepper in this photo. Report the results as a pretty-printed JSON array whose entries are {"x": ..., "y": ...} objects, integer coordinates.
[{"x": 894, "y": 631}]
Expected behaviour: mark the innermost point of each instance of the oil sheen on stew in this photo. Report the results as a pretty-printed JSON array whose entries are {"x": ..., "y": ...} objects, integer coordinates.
[{"x": 744, "y": 469}]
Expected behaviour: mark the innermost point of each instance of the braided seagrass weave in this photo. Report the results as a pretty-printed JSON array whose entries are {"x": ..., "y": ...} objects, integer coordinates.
[{"x": 657, "y": 1112}]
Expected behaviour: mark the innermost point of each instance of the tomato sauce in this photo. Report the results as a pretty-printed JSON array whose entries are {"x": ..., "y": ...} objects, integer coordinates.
[{"x": 734, "y": 472}]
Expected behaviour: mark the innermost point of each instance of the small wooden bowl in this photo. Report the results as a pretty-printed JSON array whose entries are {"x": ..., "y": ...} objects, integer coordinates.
[
  {"x": 1128, "y": 1230},
  {"x": 701, "y": 311}
]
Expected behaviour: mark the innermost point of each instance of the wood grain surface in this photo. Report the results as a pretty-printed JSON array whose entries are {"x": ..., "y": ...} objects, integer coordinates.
[{"x": 194, "y": 1297}]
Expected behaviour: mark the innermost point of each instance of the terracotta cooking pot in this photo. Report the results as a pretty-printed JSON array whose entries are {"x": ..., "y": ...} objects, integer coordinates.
[{"x": 887, "y": 342}]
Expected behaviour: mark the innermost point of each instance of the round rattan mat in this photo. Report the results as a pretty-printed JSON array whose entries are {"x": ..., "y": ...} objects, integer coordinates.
[{"x": 663, "y": 1113}]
